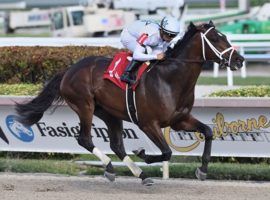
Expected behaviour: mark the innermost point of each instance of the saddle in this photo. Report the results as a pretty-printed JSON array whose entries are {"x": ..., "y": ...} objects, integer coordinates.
[
  {"x": 117, "y": 68},
  {"x": 114, "y": 72}
]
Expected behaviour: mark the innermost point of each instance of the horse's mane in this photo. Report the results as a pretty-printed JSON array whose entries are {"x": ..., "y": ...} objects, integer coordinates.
[{"x": 180, "y": 45}]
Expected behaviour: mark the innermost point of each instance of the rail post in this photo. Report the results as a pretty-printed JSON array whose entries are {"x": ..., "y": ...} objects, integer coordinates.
[{"x": 165, "y": 170}]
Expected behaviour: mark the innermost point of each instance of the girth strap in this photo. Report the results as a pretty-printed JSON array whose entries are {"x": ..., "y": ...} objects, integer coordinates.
[{"x": 131, "y": 104}]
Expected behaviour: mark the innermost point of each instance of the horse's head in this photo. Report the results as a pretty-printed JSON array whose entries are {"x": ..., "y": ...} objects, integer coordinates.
[{"x": 216, "y": 47}]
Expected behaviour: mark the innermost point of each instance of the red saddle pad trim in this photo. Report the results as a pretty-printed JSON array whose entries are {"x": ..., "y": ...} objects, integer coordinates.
[{"x": 118, "y": 66}]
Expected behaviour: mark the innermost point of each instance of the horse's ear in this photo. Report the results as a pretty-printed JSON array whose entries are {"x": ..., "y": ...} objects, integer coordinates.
[
  {"x": 191, "y": 25},
  {"x": 211, "y": 23}
]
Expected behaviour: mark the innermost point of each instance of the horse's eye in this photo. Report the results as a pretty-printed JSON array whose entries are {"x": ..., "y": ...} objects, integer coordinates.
[{"x": 214, "y": 38}]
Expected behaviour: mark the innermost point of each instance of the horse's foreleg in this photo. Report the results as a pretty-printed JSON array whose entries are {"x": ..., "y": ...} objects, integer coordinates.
[
  {"x": 115, "y": 128},
  {"x": 154, "y": 133},
  {"x": 192, "y": 124}
]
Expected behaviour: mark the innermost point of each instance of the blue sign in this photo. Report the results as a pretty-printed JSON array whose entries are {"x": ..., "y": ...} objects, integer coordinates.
[{"x": 20, "y": 131}]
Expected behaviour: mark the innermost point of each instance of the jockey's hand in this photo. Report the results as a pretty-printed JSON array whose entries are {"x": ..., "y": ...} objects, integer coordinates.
[{"x": 160, "y": 56}]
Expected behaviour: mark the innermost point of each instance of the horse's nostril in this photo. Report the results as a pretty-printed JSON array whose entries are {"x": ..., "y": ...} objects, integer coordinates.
[{"x": 240, "y": 59}]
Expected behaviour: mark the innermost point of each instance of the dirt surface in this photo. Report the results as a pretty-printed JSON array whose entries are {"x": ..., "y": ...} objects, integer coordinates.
[{"x": 46, "y": 187}]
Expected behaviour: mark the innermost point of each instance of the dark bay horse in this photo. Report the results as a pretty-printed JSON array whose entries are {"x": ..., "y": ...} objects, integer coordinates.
[{"x": 164, "y": 97}]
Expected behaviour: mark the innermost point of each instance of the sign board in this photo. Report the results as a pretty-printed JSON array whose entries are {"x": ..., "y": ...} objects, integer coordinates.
[{"x": 243, "y": 132}]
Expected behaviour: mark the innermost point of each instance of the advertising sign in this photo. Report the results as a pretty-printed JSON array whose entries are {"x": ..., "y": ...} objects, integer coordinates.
[{"x": 243, "y": 132}]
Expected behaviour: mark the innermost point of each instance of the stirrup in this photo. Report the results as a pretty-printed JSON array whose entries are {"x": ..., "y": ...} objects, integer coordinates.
[
  {"x": 125, "y": 77},
  {"x": 128, "y": 80},
  {"x": 132, "y": 82}
]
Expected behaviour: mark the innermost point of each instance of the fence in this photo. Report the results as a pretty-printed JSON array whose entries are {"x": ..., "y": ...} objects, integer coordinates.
[{"x": 22, "y": 41}]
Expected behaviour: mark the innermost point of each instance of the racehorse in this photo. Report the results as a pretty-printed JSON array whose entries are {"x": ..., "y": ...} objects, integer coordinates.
[{"x": 164, "y": 97}]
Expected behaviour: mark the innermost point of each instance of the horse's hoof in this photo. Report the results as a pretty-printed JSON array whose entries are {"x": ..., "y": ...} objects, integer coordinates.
[
  {"x": 109, "y": 176},
  {"x": 200, "y": 175},
  {"x": 139, "y": 151},
  {"x": 148, "y": 182}
]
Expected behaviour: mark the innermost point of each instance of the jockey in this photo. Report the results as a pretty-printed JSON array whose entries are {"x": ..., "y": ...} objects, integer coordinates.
[{"x": 147, "y": 41}]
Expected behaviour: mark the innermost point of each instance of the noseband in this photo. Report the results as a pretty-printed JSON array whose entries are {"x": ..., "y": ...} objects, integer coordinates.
[{"x": 215, "y": 50}]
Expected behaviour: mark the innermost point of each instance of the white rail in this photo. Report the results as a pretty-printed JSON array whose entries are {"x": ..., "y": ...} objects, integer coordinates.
[
  {"x": 248, "y": 37},
  {"x": 39, "y": 41}
]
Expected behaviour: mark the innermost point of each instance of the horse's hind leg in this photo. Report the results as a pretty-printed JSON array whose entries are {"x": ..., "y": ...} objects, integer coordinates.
[
  {"x": 115, "y": 129},
  {"x": 192, "y": 124},
  {"x": 85, "y": 110}
]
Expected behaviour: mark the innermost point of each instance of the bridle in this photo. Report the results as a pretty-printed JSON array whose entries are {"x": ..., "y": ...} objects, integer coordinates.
[{"x": 215, "y": 50}]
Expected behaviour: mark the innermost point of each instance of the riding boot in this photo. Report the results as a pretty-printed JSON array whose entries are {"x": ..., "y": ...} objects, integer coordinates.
[{"x": 128, "y": 75}]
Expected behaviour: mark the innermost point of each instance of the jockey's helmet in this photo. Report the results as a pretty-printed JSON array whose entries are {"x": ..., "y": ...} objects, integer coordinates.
[{"x": 170, "y": 26}]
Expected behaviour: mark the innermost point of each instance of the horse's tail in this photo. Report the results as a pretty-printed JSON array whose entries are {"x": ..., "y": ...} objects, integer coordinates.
[{"x": 31, "y": 112}]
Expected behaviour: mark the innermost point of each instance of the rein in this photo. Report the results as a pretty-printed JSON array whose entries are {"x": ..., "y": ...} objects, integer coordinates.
[{"x": 187, "y": 60}]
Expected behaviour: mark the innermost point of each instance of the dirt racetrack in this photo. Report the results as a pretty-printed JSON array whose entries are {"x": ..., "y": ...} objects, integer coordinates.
[{"x": 54, "y": 187}]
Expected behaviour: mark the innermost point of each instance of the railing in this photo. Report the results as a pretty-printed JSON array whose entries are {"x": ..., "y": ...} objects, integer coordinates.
[{"x": 23, "y": 41}]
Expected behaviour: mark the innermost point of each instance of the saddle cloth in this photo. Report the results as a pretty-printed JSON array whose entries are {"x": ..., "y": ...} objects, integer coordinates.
[{"x": 118, "y": 66}]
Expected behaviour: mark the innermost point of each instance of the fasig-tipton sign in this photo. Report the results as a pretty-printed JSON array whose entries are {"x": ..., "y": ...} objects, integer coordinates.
[{"x": 237, "y": 131}]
